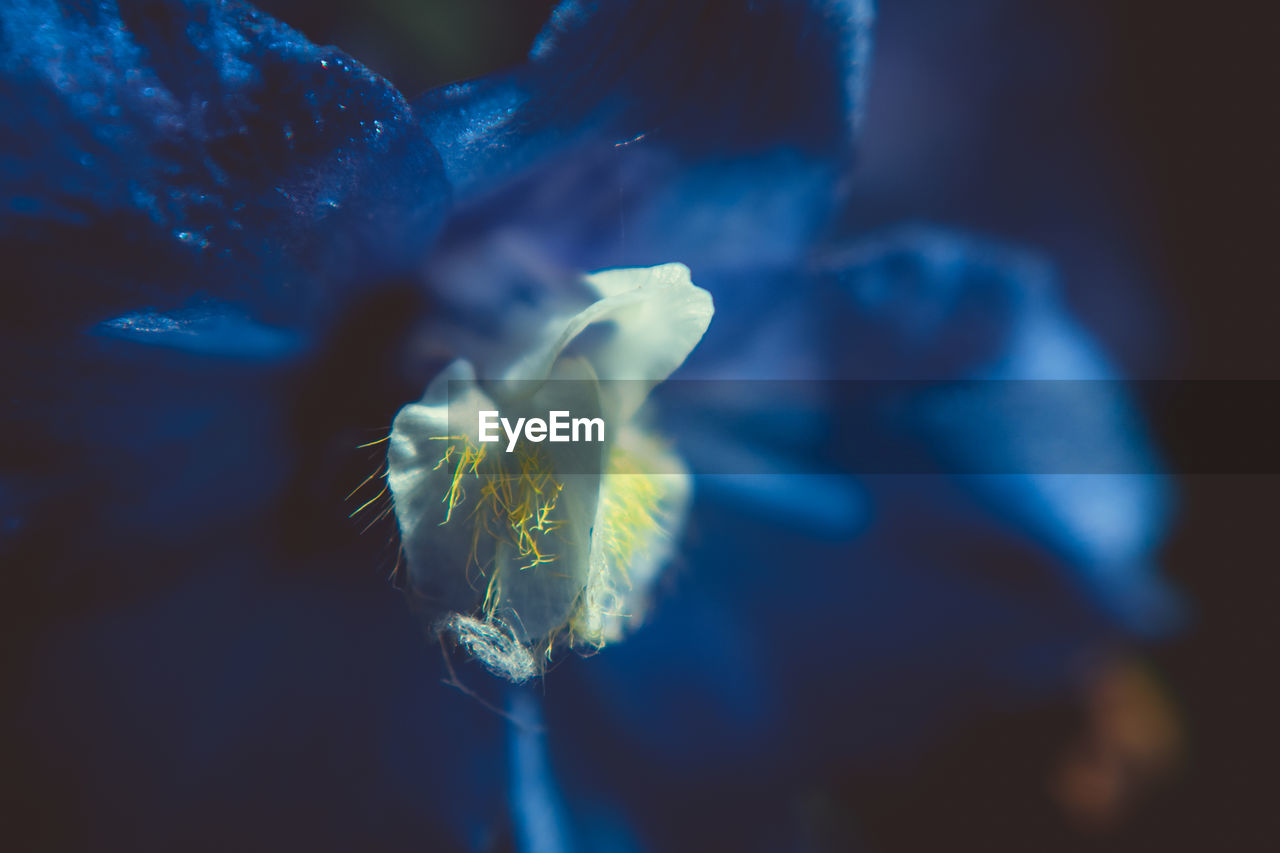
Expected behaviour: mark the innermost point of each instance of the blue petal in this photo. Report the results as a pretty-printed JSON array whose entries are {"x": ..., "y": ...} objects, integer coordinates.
[
  {"x": 798, "y": 658},
  {"x": 248, "y": 703},
  {"x": 159, "y": 153},
  {"x": 710, "y": 133},
  {"x": 123, "y": 452},
  {"x": 921, "y": 303},
  {"x": 212, "y": 332},
  {"x": 203, "y": 213},
  {"x": 951, "y": 597}
]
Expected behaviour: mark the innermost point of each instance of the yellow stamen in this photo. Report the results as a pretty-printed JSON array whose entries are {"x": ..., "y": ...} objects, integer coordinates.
[{"x": 516, "y": 502}]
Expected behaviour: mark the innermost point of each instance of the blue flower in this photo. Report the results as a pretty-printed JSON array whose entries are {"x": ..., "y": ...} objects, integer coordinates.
[{"x": 234, "y": 255}]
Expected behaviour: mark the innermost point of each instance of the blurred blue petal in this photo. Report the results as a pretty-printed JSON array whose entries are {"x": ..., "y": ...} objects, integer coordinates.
[
  {"x": 711, "y": 133},
  {"x": 299, "y": 714},
  {"x": 800, "y": 654},
  {"x": 132, "y": 454},
  {"x": 540, "y": 822},
  {"x": 924, "y": 303}
]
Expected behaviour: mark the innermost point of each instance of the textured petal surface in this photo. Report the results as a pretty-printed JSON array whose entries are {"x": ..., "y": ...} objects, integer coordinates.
[
  {"x": 197, "y": 203},
  {"x": 159, "y": 152}
]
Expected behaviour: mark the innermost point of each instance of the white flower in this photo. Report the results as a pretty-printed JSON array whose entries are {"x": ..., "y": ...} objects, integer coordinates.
[{"x": 554, "y": 544}]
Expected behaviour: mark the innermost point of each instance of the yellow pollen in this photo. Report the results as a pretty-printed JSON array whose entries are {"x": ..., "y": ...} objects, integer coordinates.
[
  {"x": 515, "y": 503},
  {"x": 631, "y": 511}
]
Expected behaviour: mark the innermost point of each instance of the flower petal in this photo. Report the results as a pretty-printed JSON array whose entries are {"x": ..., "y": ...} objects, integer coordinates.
[
  {"x": 465, "y": 508},
  {"x": 155, "y": 152},
  {"x": 658, "y": 315},
  {"x": 639, "y": 519},
  {"x": 950, "y": 597},
  {"x": 923, "y": 303},
  {"x": 710, "y": 132},
  {"x": 193, "y": 193}
]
